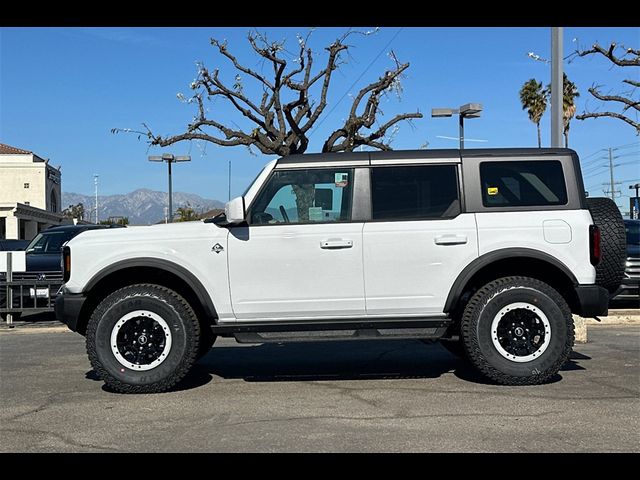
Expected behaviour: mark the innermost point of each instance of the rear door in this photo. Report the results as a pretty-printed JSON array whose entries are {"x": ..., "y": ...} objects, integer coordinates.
[{"x": 417, "y": 241}]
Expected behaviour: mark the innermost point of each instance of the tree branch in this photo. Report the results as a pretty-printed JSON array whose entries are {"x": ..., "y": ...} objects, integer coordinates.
[
  {"x": 222, "y": 48},
  {"x": 619, "y": 116},
  {"x": 286, "y": 110},
  {"x": 349, "y": 132},
  {"x": 615, "y": 98},
  {"x": 609, "y": 53}
]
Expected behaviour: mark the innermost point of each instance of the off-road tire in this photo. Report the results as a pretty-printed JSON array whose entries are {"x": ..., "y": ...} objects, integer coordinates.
[
  {"x": 207, "y": 339},
  {"x": 485, "y": 305},
  {"x": 613, "y": 242},
  {"x": 173, "y": 309}
]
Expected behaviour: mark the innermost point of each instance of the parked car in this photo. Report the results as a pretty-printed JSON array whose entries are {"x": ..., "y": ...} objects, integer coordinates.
[
  {"x": 13, "y": 245},
  {"x": 630, "y": 288},
  {"x": 43, "y": 257},
  {"x": 490, "y": 251}
]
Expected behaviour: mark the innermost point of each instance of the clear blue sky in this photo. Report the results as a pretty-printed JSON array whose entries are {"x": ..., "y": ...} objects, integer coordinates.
[{"x": 63, "y": 89}]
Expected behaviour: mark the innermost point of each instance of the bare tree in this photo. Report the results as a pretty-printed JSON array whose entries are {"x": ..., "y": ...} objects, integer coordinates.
[
  {"x": 628, "y": 99},
  {"x": 285, "y": 115}
]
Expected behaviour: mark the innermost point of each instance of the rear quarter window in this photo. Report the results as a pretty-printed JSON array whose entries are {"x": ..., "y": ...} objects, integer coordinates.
[{"x": 523, "y": 183}]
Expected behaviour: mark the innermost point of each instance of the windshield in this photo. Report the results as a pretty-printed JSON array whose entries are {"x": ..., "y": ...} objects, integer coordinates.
[
  {"x": 253, "y": 181},
  {"x": 49, "y": 242},
  {"x": 633, "y": 232}
]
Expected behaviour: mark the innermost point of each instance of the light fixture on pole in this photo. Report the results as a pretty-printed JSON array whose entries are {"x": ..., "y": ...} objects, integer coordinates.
[
  {"x": 170, "y": 158},
  {"x": 469, "y": 110}
]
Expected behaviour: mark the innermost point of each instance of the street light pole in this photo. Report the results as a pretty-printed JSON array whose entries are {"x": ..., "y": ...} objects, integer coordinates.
[
  {"x": 95, "y": 182},
  {"x": 469, "y": 110},
  {"x": 557, "y": 87},
  {"x": 170, "y": 158}
]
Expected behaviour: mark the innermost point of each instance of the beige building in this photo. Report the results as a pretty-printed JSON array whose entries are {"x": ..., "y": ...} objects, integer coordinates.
[{"x": 30, "y": 194}]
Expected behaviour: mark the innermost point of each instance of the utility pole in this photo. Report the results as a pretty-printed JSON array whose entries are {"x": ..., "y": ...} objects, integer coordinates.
[
  {"x": 95, "y": 182},
  {"x": 556, "y": 86},
  {"x": 613, "y": 193}
]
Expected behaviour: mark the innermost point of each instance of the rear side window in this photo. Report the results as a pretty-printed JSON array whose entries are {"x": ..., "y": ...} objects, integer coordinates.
[
  {"x": 420, "y": 192},
  {"x": 522, "y": 184}
]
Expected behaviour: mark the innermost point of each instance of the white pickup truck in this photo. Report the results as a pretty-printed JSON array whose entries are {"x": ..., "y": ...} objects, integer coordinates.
[{"x": 489, "y": 251}]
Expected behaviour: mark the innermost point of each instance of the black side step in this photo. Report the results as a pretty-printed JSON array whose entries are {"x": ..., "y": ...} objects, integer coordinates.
[{"x": 312, "y": 331}]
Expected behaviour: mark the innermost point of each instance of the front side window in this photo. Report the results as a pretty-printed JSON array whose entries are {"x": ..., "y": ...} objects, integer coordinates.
[
  {"x": 522, "y": 183},
  {"x": 304, "y": 196},
  {"x": 414, "y": 192}
]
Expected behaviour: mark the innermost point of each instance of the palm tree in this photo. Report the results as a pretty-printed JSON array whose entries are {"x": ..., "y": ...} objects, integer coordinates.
[
  {"x": 569, "y": 94},
  {"x": 534, "y": 99}
]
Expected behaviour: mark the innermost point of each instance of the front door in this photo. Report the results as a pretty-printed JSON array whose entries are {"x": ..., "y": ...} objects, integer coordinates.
[{"x": 300, "y": 255}]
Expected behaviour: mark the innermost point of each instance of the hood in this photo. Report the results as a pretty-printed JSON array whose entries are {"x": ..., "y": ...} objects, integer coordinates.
[{"x": 151, "y": 234}]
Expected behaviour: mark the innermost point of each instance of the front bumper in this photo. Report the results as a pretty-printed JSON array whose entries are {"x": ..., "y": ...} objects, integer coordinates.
[
  {"x": 68, "y": 307},
  {"x": 593, "y": 301}
]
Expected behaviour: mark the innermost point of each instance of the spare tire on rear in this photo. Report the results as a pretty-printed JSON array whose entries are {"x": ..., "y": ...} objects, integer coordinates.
[{"x": 613, "y": 242}]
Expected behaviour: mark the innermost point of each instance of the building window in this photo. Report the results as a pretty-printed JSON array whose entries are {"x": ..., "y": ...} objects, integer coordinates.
[
  {"x": 54, "y": 201},
  {"x": 26, "y": 185}
]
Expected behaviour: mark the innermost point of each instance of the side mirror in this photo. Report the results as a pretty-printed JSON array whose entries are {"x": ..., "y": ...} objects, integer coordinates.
[{"x": 234, "y": 210}]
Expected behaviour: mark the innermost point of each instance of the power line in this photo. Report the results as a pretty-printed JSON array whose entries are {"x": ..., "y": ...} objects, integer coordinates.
[
  {"x": 618, "y": 147},
  {"x": 355, "y": 82}
]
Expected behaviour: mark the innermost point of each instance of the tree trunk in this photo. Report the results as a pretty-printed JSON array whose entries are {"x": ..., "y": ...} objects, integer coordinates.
[
  {"x": 539, "y": 141},
  {"x": 566, "y": 139}
]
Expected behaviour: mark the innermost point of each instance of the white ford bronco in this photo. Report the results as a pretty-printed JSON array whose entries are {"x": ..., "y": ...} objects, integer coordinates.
[{"x": 489, "y": 251}]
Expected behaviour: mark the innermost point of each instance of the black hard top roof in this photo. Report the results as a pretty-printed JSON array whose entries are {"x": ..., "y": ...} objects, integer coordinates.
[{"x": 422, "y": 154}]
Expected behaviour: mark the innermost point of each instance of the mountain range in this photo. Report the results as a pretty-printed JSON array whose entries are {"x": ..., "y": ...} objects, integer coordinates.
[{"x": 142, "y": 206}]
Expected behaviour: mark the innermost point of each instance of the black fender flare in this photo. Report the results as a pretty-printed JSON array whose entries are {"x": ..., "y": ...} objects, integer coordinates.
[
  {"x": 494, "y": 256},
  {"x": 179, "y": 271}
]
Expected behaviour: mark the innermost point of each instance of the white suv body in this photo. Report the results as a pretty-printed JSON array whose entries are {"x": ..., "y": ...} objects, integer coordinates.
[{"x": 360, "y": 240}]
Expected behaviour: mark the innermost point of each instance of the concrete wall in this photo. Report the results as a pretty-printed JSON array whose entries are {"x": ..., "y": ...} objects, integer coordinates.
[{"x": 42, "y": 179}]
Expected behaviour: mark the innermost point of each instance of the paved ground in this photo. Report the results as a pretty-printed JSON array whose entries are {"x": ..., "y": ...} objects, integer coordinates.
[{"x": 359, "y": 396}]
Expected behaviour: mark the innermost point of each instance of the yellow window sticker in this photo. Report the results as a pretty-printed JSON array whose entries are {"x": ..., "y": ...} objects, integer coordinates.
[{"x": 492, "y": 190}]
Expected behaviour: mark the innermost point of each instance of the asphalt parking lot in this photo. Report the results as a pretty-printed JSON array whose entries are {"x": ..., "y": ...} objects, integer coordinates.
[{"x": 396, "y": 396}]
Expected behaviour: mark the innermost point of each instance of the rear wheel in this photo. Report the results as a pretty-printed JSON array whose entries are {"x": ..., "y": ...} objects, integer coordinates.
[
  {"x": 517, "y": 331},
  {"x": 143, "y": 339}
]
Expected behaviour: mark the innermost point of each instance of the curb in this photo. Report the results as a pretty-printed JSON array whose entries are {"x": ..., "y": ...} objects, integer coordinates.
[
  {"x": 23, "y": 329},
  {"x": 615, "y": 317}
]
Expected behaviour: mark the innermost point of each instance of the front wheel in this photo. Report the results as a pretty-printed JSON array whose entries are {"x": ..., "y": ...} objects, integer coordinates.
[
  {"x": 143, "y": 339},
  {"x": 517, "y": 331}
]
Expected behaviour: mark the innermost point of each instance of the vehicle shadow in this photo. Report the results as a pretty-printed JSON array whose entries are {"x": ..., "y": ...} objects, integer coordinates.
[
  {"x": 336, "y": 361},
  {"x": 357, "y": 360}
]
